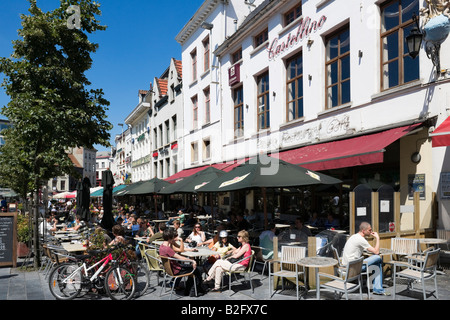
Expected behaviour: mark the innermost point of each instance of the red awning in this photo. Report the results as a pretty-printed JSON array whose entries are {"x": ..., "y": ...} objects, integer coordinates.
[
  {"x": 441, "y": 136},
  {"x": 362, "y": 150}
]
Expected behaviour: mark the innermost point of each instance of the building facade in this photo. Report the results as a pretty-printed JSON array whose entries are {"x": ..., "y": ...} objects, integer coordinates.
[
  {"x": 167, "y": 122},
  {"x": 103, "y": 162},
  {"x": 327, "y": 85},
  {"x": 138, "y": 122}
]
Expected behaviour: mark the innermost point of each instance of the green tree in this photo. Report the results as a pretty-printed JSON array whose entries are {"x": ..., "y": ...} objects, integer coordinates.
[{"x": 52, "y": 107}]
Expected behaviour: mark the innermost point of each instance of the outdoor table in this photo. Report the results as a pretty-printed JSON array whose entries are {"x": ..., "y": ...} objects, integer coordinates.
[
  {"x": 158, "y": 221},
  {"x": 202, "y": 252},
  {"x": 203, "y": 217},
  {"x": 316, "y": 263},
  {"x": 429, "y": 241},
  {"x": 383, "y": 252},
  {"x": 73, "y": 247}
]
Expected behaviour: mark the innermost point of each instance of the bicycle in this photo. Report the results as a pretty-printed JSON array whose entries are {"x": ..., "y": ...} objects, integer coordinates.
[{"x": 68, "y": 279}]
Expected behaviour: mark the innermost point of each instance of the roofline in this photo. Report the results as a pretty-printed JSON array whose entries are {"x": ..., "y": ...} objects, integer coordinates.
[{"x": 194, "y": 23}]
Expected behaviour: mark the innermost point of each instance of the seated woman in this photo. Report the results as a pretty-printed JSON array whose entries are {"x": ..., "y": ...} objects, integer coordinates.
[
  {"x": 197, "y": 235},
  {"x": 119, "y": 235},
  {"x": 222, "y": 246},
  {"x": 166, "y": 250},
  {"x": 244, "y": 251}
]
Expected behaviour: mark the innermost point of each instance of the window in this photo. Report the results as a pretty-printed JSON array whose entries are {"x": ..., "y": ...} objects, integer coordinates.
[
  {"x": 397, "y": 67},
  {"x": 174, "y": 127},
  {"x": 263, "y": 101},
  {"x": 295, "y": 88},
  {"x": 206, "y": 149},
  {"x": 194, "y": 152},
  {"x": 167, "y": 168},
  {"x": 292, "y": 14},
  {"x": 338, "y": 68},
  {"x": 167, "y": 124},
  {"x": 161, "y": 134},
  {"x": 206, "y": 92},
  {"x": 206, "y": 51},
  {"x": 238, "y": 98},
  {"x": 236, "y": 56},
  {"x": 195, "y": 112},
  {"x": 155, "y": 135},
  {"x": 194, "y": 64},
  {"x": 63, "y": 185},
  {"x": 261, "y": 38}
]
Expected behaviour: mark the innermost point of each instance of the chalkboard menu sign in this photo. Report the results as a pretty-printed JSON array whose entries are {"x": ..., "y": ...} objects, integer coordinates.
[{"x": 8, "y": 239}]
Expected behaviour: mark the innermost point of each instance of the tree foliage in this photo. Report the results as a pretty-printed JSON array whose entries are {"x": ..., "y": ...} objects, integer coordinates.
[{"x": 52, "y": 107}]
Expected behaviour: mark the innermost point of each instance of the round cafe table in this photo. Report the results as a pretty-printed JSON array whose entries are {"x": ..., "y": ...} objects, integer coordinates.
[
  {"x": 316, "y": 263},
  {"x": 429, "y": 241}
]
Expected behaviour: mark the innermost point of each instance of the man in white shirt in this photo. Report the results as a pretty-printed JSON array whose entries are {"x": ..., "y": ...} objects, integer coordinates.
[{"x": 354, "y": 248}]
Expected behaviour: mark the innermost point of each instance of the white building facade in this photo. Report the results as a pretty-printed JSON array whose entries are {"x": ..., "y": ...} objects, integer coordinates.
[
  {"x": 138, "y": 122},
  {"x": 167, "y": 122},
  {"x": 317, "y": 83}
]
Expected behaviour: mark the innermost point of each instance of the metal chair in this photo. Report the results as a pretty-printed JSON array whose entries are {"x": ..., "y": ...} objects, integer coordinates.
[
  {"x": 154, "y": 262},
  {"x": 345, "y": 285},
  {"x": 341, "y": 269},
  {"x": 246, "y": 271},
  {"x": 418, "y": 272},
  {"x": 404, "y": 246},
  {"x": 168, "y": 274},
  {"x": 288, "y": 266},
  {"x": 261, "y": 258}
]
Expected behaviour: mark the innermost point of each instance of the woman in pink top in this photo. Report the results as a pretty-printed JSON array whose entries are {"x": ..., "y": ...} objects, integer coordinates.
[
  {"x": 166, "y": 250},
  {"x": 222, "y": 265}
]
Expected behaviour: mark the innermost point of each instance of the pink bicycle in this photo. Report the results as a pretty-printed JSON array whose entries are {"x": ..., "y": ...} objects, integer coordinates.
[{"x": 67, "y": 280}]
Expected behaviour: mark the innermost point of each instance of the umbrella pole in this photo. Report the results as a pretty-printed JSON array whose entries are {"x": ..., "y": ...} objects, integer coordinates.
[{"x": 265, "y": 207}]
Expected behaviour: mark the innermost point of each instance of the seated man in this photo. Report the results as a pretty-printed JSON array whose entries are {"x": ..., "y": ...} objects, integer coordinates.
[{"x": 353, "y": 250}]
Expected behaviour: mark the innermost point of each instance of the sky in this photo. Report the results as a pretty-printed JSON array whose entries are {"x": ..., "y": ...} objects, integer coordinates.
[{"x": 136, "y": 47}]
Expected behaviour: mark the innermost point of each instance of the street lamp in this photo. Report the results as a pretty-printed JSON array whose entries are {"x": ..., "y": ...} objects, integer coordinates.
[
  {"x": 414, "y": 39},
  {"x": 432, "y": 47}
]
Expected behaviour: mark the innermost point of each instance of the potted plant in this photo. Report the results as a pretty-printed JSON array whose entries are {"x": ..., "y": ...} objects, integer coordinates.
[{"x": 23, "y": 235}]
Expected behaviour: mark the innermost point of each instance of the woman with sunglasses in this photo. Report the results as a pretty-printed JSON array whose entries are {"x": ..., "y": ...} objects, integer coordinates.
[
  {"x": 221, "y": 265},
  {"x": 197, "y": 235}
]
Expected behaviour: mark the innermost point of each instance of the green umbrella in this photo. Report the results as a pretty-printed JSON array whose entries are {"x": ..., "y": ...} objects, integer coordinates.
[
  {"x": 266, "y": 172},
  {"x": 150, "y": 186},
  {"x": 126, "y": 190},
  {"x": 270, "y": 173},
  {"x": 192, "y": 183}
]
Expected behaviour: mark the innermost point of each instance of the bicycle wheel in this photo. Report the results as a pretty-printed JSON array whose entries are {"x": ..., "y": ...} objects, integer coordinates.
[
  {"x": 142, "y": 275},
  {"x": 65, "y": 281},
  {"x": 120, "y": 283}
]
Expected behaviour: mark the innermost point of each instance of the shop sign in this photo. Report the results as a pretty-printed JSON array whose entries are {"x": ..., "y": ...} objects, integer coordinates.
[
  {"x": 305, "y": 28},
  {"x": 234, "y": 74}
]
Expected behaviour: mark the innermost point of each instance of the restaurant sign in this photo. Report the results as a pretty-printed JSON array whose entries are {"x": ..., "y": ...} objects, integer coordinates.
[
  {"x": 234, "y": 74},
  {"x": 305, "y": 28}
]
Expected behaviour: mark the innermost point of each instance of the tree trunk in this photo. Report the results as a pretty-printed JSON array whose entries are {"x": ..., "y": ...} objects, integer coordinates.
[{"x": 36, "y": 251}]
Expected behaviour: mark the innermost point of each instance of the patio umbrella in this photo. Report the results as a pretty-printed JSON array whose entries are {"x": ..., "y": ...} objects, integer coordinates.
[
  {"x": 152, "y": 186},
  {"x": 118, "y": 188},
  {"x": 108, "y": 185},
  {"x": 269, "y": 173},
  {"x": 193, "y": 183},
  {"x": 127, "y": 189},
  {"x": 85, "y": 199}
]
